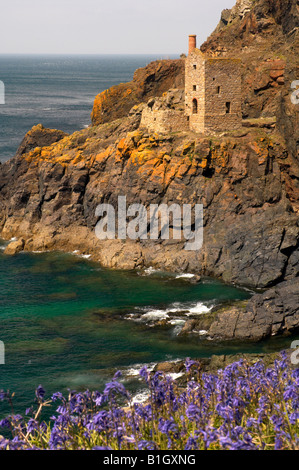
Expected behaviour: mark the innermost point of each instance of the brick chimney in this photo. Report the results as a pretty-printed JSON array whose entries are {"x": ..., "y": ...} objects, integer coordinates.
[{"x": 192, "y": 42}]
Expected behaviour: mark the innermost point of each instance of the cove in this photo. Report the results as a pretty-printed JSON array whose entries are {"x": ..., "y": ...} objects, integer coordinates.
[{"x": 67, "y": 323}]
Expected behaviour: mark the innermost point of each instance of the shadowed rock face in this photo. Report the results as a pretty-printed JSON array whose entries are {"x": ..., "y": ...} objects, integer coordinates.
[
  {"x": 38, "y": 136},
  {"x": 275, "y": 312}
]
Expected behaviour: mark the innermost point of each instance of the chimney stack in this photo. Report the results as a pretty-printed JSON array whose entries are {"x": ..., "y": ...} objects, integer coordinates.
[{"x": 192, "y": 42}]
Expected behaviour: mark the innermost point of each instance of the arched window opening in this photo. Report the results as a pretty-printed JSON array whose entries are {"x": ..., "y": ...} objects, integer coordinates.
[
  {"x": 194, "y": 106},
  {"x": 228, "y": 107}
]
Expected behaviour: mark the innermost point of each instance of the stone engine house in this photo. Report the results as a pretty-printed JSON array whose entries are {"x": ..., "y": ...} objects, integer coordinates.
[
  {"x": 212, "y": 97},
  {"x": 212, "y": 91}
]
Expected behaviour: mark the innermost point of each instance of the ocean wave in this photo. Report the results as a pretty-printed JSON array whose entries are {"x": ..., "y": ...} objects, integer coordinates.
[
  {"x": 199, "y": 309},
  {"x": 154, "y": 315},
  {"x": 175, "y": 315},
  {"x": 140, "y": 397},
  {"x": 149, "y": 271},
  {"x": 185, "y": 276},
  {"x": 134, "y": 370},
  {"x": 77, "y": 253},
  {"x": 175, "y": 375}
]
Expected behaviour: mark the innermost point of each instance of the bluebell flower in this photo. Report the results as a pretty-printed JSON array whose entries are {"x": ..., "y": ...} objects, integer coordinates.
[{"x": 40, "y": 392}]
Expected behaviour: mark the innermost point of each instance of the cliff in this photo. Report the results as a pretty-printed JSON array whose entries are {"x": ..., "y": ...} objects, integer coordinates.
[
  {"x": 148, "y": 82},
  {"x": 247, "y": 180},
  {"x": 250, "y": 234}
]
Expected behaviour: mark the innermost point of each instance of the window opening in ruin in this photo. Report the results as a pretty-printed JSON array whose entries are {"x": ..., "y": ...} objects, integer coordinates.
[
  {"x": 228, "y": 107},
  {"x": 194, "y": 106}
]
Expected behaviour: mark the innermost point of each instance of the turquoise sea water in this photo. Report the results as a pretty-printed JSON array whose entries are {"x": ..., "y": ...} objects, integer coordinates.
[{"x": 64, "y": 320}]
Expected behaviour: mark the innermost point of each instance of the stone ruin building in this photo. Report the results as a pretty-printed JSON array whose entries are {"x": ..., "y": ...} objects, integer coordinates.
[{"x": 211, "y": 102}]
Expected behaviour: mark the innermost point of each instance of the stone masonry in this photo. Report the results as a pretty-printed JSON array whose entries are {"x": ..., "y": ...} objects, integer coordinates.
[
  {"x": 212, "y": 101},
  {"x": 165, "y": 114},
  {"x": 212, "y": 92}
]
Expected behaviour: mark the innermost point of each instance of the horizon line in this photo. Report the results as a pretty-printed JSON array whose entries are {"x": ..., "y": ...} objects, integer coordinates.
[{"x": 91, "y": 53}]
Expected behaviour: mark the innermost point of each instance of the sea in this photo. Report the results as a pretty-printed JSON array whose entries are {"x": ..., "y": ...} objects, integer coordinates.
[
  {"x": 67, "y": 323},
  {"x": 56, "y": 91}
]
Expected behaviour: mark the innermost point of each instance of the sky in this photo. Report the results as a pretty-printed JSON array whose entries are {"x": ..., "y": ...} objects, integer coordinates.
[{"x": 106, "y": 26}]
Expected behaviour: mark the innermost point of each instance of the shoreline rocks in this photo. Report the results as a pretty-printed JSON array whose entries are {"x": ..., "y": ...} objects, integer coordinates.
[
  {"x": 272, "y": 313},
  {"x": 214, "y": 363},
  {"x": 15, "y": 247}
]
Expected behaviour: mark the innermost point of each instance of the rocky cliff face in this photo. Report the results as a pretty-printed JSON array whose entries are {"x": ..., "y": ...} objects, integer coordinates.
[
  {"x": 148, "y": 82},
  {"x": 266, "y": 31},
  {"x": 250, "y": 227},
  {"x": 247, "y": 180}
]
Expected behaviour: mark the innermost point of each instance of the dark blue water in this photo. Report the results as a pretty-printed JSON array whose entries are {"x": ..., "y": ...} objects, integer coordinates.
[{"x": 56, "y": 91}]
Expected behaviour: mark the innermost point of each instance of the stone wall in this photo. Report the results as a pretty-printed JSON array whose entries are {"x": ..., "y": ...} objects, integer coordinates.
[
  {"x": 215, "y": 84},
  {"x": 165, "y": 114},
  {"x": 164, "y": 121},
  {"x": 222, "y": 94},
  {"x": 212, "y": 101},
  {"x": 194, "y": 90}
]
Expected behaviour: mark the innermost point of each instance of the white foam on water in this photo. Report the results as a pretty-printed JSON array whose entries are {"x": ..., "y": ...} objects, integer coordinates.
[
  {"x": 77, "y": 253},
  {"x": 185, "y": 276},
  {"x": 154, "y": 315},
  {"x": 149, "y": 271},
  {"x": 140, "y": 397},
  {"x": 184, "y": 310},
  {"x": 134, "y": 371},
  {"x": 177, "y": 322},
  {"x": 175, "y": 375},
  {"x": 199, "y": 309}
]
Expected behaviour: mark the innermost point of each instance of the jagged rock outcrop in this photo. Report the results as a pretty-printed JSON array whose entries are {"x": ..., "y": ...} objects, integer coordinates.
[
  {"x": 14, "y": 247},
  {"x": 215, "y": 363},
  {"x": 148, "y": 82},
  {"x": 275, "y": 312},
  {"x": 38, "y": 136}
]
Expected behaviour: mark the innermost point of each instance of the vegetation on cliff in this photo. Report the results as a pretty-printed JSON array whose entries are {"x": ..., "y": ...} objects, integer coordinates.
[{"x": 243, "y": 407}]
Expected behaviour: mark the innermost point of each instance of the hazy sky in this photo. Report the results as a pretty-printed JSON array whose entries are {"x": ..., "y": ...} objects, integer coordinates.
[{"x": 106, "y": 26}]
